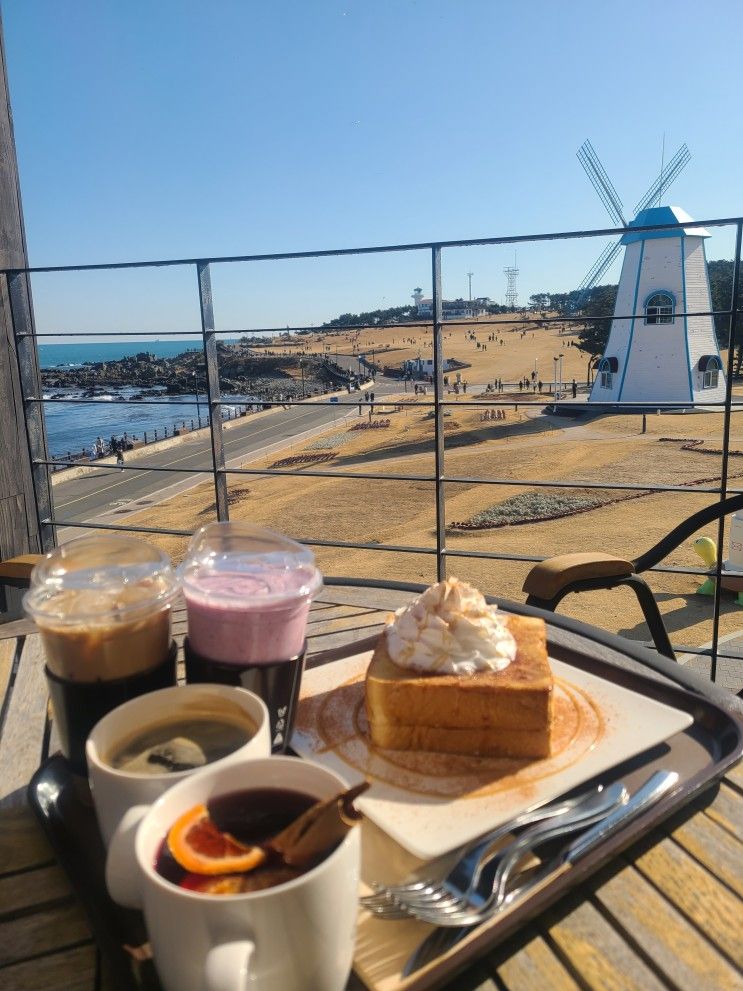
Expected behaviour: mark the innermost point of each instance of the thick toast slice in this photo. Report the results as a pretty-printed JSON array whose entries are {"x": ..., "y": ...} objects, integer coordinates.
[{"x": 506, "y": 713}]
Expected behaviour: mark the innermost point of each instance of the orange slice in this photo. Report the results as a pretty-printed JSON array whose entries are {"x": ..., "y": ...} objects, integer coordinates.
[{"x": 201, "y": 848}]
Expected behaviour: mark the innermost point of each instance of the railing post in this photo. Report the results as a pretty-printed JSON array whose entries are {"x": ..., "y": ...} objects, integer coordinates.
[
  {"x": 438, "y": 389},
  {"x": 25, "y": 345},
  {"x": 212, "y": 389},
  {"x": 726, "y": 449}
]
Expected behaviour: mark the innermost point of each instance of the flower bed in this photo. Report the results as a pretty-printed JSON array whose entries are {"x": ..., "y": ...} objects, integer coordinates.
[
  {"x": 371, "y": 425},
  {"x": 303, "y": 459},
  {"x": 529, "y": 507},
  {"x": 329, "y": 443}
]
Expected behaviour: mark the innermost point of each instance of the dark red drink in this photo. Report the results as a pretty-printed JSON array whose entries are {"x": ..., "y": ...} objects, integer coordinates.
[{"x": 252, "y": 817}]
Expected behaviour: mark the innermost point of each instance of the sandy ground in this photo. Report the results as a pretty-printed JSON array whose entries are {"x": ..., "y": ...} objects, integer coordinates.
[
  {"x": 523, "y": 346},
  {"x": 526, "y": 447}
]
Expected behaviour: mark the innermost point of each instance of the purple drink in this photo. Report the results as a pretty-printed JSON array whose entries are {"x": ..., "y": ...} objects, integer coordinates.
[
  {"x": 254, "y": 616},
  {"x": 248, "y": 593}
]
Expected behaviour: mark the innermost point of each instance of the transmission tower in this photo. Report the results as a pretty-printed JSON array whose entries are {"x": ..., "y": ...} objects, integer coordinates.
[{"x": 512, "y": 293}]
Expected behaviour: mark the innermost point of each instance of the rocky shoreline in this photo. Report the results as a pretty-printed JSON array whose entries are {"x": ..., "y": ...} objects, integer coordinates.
[{"x": 242, "y": 370}]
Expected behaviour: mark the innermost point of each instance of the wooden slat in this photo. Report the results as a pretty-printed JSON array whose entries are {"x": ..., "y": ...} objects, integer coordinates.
[
  {"x": 533, "y": 967},
  {"x": 735, "y": 776},
  {"x": 674, "y": 946},
  {"x": 70, "y": 970},
  {"x": 33, "y": 890},
  {"x": 727, "y": 810},
  {"x": 715, "y": 910},
  {"x": 18, "y": 628},
  {"x": 597, "y": 952},
  {"x": 43, "y": 932},
  {"x": 714, "y": 847},
  {"x": 22, "y": 844},
  {"x": 25, "y": 723},
  {"x": 7, "y": 654}
]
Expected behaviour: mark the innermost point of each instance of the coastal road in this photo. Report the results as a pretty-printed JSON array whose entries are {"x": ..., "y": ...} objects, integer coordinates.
[{"x": 109, "y": 490}]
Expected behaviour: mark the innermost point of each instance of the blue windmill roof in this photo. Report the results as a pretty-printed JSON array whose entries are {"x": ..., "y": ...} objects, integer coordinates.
[{"x": 662, "y": 215}]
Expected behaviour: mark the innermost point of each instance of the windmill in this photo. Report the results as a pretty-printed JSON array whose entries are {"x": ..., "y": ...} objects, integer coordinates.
[
  {"x": 662, "y": 346},
  {"x": 608, "y": 195}
]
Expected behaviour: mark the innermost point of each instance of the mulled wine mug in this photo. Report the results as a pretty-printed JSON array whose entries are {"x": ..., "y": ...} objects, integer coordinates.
[
  {"x": 296, "y": 936},
  {"x": 116, "y": 790}
]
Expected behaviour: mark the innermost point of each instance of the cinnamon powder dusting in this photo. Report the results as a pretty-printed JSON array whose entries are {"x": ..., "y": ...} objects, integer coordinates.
[{"x": 337, "y": 719}]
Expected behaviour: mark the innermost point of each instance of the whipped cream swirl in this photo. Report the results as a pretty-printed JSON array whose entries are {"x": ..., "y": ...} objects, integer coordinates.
[{"x": 450, "y": 629}]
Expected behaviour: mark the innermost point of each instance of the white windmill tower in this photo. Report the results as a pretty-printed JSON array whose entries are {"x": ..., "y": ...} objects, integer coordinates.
[{"x": 655, "y": 353}]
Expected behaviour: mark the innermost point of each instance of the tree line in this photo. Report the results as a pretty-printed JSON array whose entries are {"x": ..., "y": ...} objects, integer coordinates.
[{"x": 597, "y": 306}]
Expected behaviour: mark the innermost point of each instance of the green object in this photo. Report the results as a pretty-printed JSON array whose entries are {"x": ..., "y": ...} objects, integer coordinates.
[
  {"x": 708, "y": 588},
  {"x": 739, "y": 599}
]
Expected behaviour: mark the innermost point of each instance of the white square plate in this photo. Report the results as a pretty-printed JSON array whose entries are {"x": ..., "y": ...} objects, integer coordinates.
[{"x": 433, "y": 803}]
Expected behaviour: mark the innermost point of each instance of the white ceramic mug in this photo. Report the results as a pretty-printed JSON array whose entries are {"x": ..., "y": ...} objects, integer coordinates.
[
  {"x": 297, "y": 936},
  {"x": 116, "y": 791}
]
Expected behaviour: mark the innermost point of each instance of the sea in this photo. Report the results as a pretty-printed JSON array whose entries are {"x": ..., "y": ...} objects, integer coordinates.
[{"x": 73, "y": 427}]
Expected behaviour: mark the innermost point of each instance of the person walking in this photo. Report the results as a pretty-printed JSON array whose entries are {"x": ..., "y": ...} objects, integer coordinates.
[
  {"x": 120, "y": 455},
  {"x": 575, "y": 388}
]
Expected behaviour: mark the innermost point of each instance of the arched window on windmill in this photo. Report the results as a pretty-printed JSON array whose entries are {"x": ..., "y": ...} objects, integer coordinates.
[
  {"x": 607, "y": 368},
  {"x": 710, "y": 366},
  {"x": 660, "y": 307}
]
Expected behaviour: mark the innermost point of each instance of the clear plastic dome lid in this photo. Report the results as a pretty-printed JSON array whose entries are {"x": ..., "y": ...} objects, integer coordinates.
[
  {"x": 100, "y": 578},
  {"x": 232, "y": 561}
]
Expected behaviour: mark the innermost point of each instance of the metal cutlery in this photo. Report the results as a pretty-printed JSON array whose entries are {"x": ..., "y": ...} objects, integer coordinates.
[
  {"x": 464, "y": 875},
  {"x": 443, "y": 939},
  {"x": 453, "y": 906}
]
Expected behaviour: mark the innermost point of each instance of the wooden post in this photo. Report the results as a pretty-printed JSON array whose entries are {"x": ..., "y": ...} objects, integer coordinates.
[{"x": 20, "y": 505}]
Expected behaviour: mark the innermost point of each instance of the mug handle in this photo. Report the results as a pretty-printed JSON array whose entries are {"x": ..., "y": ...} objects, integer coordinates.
[
  {"x": 228, "y": 966},
  {"x": 123, "y": 876}
]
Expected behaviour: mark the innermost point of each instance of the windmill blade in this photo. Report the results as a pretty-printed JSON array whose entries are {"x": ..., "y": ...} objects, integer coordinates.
[
  {"x": 598, "y": 268},
  {"x": 601, "y": 182},
  {"x": 669, "y": 174}
]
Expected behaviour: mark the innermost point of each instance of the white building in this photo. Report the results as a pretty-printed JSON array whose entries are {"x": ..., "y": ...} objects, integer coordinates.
[
  {"x": 421, "y": 367},
  {"x": 454, "y": 309},
  {"x": 654, "y": 353}
]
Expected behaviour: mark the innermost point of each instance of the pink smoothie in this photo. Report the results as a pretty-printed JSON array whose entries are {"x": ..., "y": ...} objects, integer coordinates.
[{"x": 249, "y": 617}]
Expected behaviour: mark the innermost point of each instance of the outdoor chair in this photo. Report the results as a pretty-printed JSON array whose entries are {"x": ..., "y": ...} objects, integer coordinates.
[
  {"x": 551, "y": 580},
  {"x": 15, "y": 573}
]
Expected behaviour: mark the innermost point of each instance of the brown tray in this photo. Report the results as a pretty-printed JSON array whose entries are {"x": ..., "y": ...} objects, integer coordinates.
[{"x": 700, "y": 754}]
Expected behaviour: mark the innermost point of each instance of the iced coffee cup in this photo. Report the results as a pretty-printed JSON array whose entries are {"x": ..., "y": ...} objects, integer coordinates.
[
  {"x": 102, "y": 606},
  {"x": 248, "y": 593}
]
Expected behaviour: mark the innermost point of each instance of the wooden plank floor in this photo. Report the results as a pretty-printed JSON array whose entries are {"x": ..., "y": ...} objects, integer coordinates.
[{"x": 667, "y": 915}]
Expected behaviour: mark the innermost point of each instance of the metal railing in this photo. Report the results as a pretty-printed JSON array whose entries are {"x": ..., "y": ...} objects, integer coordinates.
[{"x": 26, "y": 339}]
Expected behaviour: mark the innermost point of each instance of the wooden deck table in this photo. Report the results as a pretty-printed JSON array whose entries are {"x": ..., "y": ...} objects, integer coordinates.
[{"x": 667, "y": 914}]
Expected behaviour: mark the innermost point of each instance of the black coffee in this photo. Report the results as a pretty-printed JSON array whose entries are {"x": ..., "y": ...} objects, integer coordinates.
[
  {"x": 179, "y": 745},
  {"x": 253, "y": 817}
]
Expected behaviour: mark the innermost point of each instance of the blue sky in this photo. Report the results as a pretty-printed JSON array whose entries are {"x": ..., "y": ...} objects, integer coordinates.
[{"x": 174, "y": 128}]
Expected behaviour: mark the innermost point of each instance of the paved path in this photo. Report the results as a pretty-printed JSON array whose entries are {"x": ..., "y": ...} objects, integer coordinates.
[{"x": 110, "y": 489}]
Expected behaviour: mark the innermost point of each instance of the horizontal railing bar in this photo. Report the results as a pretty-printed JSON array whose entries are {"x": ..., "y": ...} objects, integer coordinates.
[
  {"x": 377, "y": 249},
  {"x": 454, "y": 479},
  {"x": 484, "y": 399},
  {"x": 90, "y": 525},
  {"x": 391, "y": 325},
  {"x": 704, "y": 652},
  {"x": 349, "y": 545},
  {"x": 301, "y": 472},
  {"x": 126, "y": 466}
]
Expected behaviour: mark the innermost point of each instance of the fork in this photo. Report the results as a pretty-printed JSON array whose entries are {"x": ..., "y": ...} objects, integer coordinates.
[
  {"x": 491, "y": 875},
  {"x": 471, "y": 880},
  {"x": 464, "y": 875}
]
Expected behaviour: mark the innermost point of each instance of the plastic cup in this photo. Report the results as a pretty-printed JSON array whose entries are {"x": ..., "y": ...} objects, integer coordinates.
[
  {"x": 102, "y": 606},
  {"x": 248, "y": 593}
]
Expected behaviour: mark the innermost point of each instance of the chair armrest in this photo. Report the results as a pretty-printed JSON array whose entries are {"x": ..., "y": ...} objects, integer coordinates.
[
  {"x": 548, "y": 578},
  {"x": 18, "y": 569}
]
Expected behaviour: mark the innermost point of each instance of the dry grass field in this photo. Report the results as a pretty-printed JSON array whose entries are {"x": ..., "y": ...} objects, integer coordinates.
[{"x": 526, "y": 447}]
